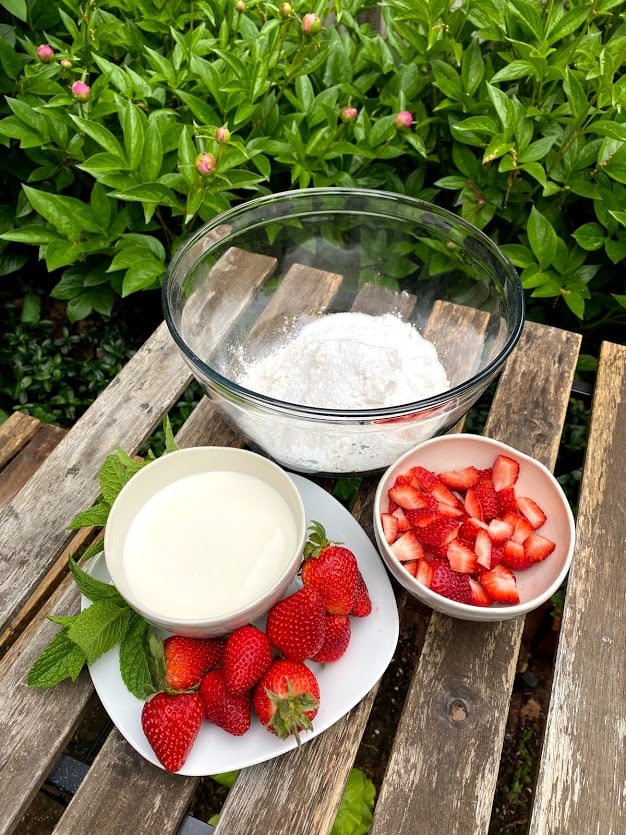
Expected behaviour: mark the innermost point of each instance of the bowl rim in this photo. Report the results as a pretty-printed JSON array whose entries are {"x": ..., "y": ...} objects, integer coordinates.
[
  {"x": 314, "y": 413},
  {"x": 466, "y": 611},
  {"x": 174, "y": 623}
]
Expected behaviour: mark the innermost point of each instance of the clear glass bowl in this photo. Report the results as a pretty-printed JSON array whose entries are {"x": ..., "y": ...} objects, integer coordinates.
[{"x": 245, "y": 284}]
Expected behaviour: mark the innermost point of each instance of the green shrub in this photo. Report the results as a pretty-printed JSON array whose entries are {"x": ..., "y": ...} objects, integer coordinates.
[{"x": 516, "y": 122}]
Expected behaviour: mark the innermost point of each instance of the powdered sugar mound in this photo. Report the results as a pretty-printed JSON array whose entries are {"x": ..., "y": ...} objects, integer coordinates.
[{"x": 350, "y": 361}]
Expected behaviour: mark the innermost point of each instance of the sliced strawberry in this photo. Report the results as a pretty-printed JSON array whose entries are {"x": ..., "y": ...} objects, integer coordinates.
[
  {"x": 500, "y": 584},
  {"x": 437, "y": 535},
  {"x": 530, "y": 510},
  {"x": 470, "y": 526},
  {"x": 412, "y": 566},
  {"x": 460, "y": 479},
  {"x": 424, "y": 572},
  {"x": 457, "y": 511},
  {"x": 445, "y": 496},
  {"x": 537, "y": 547},
  {"x": 487, "y": 498},
  {"x": 499, "y": 530},
  {"x": 507, "y": 501},
  {"x": 403, "y": 522},
  {"x": 483, "y": 546},
  {"x": 521, "y": 527},
  {"x": 449, "y": 583},
  {"x": 513, "y": 556},
  {"x": 406, "y": 496},
  {"x": 461, "y": 557},
  {"x": 424, "y": 477},
  {"x": 389, "y": 523},
  {"x": 422, "y": 516},
  {"x": 504, "y": 472},
  {"x": 407, "y": 547},
  {"x": 472, "y": 504},
  {"x": 479, "y": 595},
  {"x": 497, "y": 550}
]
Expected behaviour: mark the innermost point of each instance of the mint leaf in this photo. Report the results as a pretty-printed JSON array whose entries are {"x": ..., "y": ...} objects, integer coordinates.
[
  {"x": 99, "y": 628},
  {"x": 170, "y": 443},
  {"x": 95, "y": 589},
  {"x": 93, "y": 517},
  {"x": 354, "y": 816},
  {"x": 114, "y": 474},
  {"x": 135, "y": 666},
  {"x": 60, "y": 659}
]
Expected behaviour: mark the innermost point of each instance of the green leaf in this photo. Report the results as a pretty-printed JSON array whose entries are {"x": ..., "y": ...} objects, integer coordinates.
[
  {"x": 542, "y": 238},
  {"x": 152, "y": 153},
  {"x": 92, "y": 588},
  {"x": 133, "y": 128},
  {"x": 115, "y": 473},
  {"x": 135, "y": 669},
  {"x": 17, "y": 8},
  {"x": 67, "y": 214},
  {"x": 589, "y": 236},
  {"x": 354, "y": 816},
  {"x": 472, "y": 67},
  {"x": 170, "y": 441},
  {"x": 155, "y": 193},
  {"x": 102, "y": 136},
  {"x": 61, "y": 659},
  {"x": 99, "y": 627},
  {"x": 504, "y": 108},
  {"x": 92, "y": 517}
]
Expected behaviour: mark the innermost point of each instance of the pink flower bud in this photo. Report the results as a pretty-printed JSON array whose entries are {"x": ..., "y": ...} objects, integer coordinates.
[
  {"x": 403, "y": 120},
  {"x": 81, "y": 91},
  {"x": 206, "y": 164},
  {"x": 311, "y": 24},
  {"x": 285, "y": 10},
  {"x": 45, "y": 53},
  {"x": 240, "y": 6},
  {"x": 222, "y": 134},
  {"x": 348, "y": 114},
  {"x": 66, "y": 64}
]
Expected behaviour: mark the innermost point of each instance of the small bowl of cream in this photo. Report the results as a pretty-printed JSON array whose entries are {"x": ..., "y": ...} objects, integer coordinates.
[{"x": 205, "y": 539}]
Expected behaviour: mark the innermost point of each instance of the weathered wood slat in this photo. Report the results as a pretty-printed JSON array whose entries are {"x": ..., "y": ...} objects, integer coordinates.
[
  {"x": 15, "y": 433},
  {"x": 32, "y": 455},
  {"x": 33, "y": 525},
  {"x": 455, "y": 712},
  {"x": 581, "y": 785}
]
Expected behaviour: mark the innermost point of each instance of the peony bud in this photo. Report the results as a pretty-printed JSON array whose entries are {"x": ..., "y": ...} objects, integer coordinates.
[
  {"x": 285, "y": 10},
  {"x": 66, "y": 64},
  {"x": 45, "y": 53},
  {"x": 348, "y": 114},
  {"x": 240, "y": 6},
  {"x": 206, "y": 164},
  {"x": 403, "y": 120},
  {"x": 311, "y": 24},
  {"x": 222, "y": 134},
  {"x": 81, "y": 91}
]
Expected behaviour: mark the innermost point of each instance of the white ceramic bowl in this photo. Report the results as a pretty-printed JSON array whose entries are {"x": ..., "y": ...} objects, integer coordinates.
[
  {"x": 536, "y": 584},
  {"x": 205, "y": 539}
]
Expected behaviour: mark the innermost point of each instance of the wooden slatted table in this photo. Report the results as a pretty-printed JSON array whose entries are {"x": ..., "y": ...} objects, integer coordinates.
[{"x": 442, "y": 769}]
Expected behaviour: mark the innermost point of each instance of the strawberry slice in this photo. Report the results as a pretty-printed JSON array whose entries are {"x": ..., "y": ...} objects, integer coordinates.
[
  {"x": 437, "y": 535},
  {"x": 406, "y": 496},
  {"x": 424, "y": 572},
  {"x": 483, "y": 547},
  {"x": 461, "y": 557},
  {"x": 411, "y": 566},
  {"x": 499, "y": 530},
  {"x": 472, "y": 505},
  {"x": 487, "y": 498},
  {"x": 514, "y": 556},
  {"x": 500, "y": 584},
  {"x": 479, "y": 595},
  {"x": 403, "y": 522},
  {"x": 530, "y": 510},
  {"x": 449, "y": 583},
  {"x": 390, "y": 527},
  {"x": 423, "y": 477},
  {"x": 537, "y": 547},
  {"x": 462, "y": 479},
  {"x": 507, "y": 500},
  {"x": 421, "y": 517},
  {"x": 504, "y": 472},
  {"x": 407, "y": 547},
  {"x": 469, "y": 529}
]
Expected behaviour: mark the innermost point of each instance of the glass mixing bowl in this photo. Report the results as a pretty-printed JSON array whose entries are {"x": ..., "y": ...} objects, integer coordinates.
[{"x": 241, "y": 292}]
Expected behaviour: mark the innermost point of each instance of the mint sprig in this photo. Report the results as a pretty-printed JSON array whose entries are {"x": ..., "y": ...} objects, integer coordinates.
[{"x": 108, "y": 621}]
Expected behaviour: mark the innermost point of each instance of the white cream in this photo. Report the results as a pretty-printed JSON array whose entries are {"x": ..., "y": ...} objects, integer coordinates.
[{"x": 208, "y": 544}]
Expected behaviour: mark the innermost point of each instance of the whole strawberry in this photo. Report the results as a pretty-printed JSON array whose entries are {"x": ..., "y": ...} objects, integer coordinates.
[
  {"x": 229, "y": 711},
  {"x": 187, "y": 659},
  {"x": 171, "y": 722},
  {"x": 336, "y": 639},
  {"x": 286, "y": 700},
  {"x": 330, "y": 568},
  {"x": 247, "y": 655},
  {"x": 296, "y": 624}
]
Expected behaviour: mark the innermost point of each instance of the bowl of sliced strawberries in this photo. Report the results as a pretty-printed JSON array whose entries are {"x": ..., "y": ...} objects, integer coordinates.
[{"x": 474, "y": 528}]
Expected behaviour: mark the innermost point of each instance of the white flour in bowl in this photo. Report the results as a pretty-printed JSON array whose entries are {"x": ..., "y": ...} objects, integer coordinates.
[
  {"x": 350, "y": 361},
  {"x": 344, "y": 361}
]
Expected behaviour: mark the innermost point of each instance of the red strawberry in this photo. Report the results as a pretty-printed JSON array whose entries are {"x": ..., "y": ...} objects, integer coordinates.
[
  {"x": 229, "y": 711},
  {"x": 407, "y": 547},
  {"x": 505, "y": 471},
  {"x": 362, "y": 605},
  {"x": 461, "y": 557},
  {"x": 479, "y": 595},
  {"x": 403, "y": 522},
  {"x": 513, "y": 556},
  {"x": 450, "y": 583},
  {"x": 422, "y": 516},
  {"x": 331, "y": 569},
  {"x": 537, "y": 547},
  {"x": 389, "y": 524},
  {"x": 405, "y": 496},
  {"x": 247, "y": 656},
  {"x": 424, "y": 572},
  {"x": 187, "y": 659},
  {"x": 472, "y": 505},
  {"x": 296, "y": 624},
  {"x": 469, "y": 529},
  {"x": 483, "y": 546},
  {"x": 460, "y": 479},
  {"x": 424, "y": 478},
  {"x": 171, "y": 722},
  {"x": 412, "y": 566},
  {"x": 487, "y": 498},
  {"x": 336, "y": 639},
  {"x": 507, "y": 502},
  {"x": 286, "y": 700},
  {"x": 437, "y": 535},
  {"x": 530, "y": 510},
  {"x": 500, "y": 584}
]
